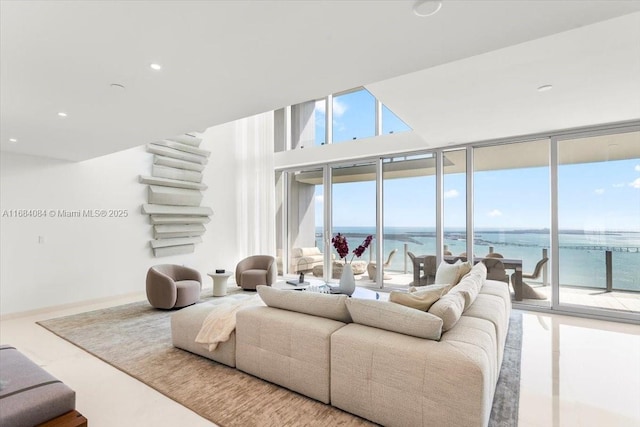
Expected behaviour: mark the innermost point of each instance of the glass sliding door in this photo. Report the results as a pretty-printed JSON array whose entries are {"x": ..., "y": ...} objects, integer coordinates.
[
  {"x": 409, "y": 215},
  {"x": 454, "y": 202},
  {"x": 512, "y": 216},
  {"x": 353, "y": 214},
  {"x": 305, "y": 222},
  {"x": 599, "y": 222}
]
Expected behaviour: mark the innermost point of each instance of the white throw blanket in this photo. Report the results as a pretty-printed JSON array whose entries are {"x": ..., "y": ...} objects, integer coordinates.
[{"x": 221, "y": 322}]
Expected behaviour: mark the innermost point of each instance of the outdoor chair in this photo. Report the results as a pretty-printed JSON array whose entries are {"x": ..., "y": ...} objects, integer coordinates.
[
  {"x": 537, "y": 270},
  {"x": 372, "y": 268},
  {"x": 426, "y": 263},
  {"x": 493, "y": 255},
  {"x": 496, "y": 270},
  {"x": 527, "y": 291}
]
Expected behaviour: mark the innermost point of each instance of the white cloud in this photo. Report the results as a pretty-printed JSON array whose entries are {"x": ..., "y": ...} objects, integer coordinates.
[
  {"x": 450, "y": 194},
  {"x": 321, "y": 106},
  {"x": 637, "y": 168},
  {"x": 320, "y": 198},
  {"x": 599, "y": 191},
  {"x": 339, "y": 108},
  {"x": 618, "y": 185},
  {"x": 635, "y": 184},
  {"x": 495, "y": 213}
]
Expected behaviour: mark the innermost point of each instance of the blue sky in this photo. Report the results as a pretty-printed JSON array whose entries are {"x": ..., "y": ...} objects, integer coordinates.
[
  {"x": 592, "y": 196},
  {"x": 354, "y": 117}
]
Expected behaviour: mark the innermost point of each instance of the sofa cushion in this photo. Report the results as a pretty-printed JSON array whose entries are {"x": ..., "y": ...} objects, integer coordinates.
[
  {"x": 420, "y": 299},
  {"x": 449, "y": 308},
  {"x": 499, "y": 289},
  {"x": 395, "y": 318},
  {"x": 492, "y": 309},
  {"x": 399, "y": 380},
  {"x": 481, "y": 334},
  {"x": 315, "y": 304},
  {"x": 287, "y": 348}
]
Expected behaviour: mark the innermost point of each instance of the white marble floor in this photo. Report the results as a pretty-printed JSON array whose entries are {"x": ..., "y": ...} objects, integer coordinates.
[{"x": 575, "y": 372}]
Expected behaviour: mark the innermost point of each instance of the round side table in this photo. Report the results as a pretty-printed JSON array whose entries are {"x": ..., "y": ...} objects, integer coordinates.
[{"x": 220, "y": 283}]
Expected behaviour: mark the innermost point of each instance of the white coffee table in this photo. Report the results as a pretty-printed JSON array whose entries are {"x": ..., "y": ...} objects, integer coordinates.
[
  {"x": 220, "y": 283},
  {"x": 361, "y": 293}
]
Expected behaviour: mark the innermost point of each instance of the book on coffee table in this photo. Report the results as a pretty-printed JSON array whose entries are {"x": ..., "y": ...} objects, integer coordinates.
[{"x": 297, "y": 283}]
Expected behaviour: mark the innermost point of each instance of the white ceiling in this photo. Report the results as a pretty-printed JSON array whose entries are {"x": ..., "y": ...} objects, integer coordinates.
[
  {"x": 594, "y": 71},
  {"x": 225, "y": 60}
]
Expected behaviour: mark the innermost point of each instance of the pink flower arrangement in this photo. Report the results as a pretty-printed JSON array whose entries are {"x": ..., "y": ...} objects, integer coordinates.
[{"x": 342, "y": 247}]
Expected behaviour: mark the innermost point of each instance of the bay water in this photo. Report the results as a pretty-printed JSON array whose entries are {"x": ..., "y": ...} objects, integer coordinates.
[{"x": 581, "y": 256}]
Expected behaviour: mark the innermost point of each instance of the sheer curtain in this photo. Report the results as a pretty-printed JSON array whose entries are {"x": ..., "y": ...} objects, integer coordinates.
[{"x": 255, "y": 185}]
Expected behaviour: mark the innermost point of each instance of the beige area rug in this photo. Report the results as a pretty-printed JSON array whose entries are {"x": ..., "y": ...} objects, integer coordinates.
[{"x": 136, "y": 339}]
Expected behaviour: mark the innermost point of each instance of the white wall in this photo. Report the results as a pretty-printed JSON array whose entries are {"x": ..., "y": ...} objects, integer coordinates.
[{"x": 90, "y": 258}]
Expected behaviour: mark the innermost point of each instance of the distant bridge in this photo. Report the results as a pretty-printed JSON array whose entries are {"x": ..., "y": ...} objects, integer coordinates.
[{"x": 632, "y": 249}]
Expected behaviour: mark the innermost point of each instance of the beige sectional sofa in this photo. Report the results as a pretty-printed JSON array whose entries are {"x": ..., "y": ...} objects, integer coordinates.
[{"x": 391, "y": 364}]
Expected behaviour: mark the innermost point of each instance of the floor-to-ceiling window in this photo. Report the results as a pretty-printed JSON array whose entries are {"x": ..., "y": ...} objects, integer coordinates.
[
  {"x": 586, "y": 189},
  {"x": 409, "y": 214},
  {"x": 454, "y": 202},
  {"x": 512, "y": 213},
  {"x": 304, "y": 220},
  {"x": 599, "y": 221},
  {"x": 353, "y": 212}
]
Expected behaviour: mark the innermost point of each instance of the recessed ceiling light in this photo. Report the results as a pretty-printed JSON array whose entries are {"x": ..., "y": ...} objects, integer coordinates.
[
  {"x": 13, "y": 140},
  {"x": 426, "y": 7},
  {"x": 545, "y": 88},
  {"x": 62, "y": 114},
  {"x": 155, "y": 67}
]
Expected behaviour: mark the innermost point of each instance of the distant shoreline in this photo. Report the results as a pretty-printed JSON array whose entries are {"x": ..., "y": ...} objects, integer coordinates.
[
  {"x": 412, "y": 235},
  {"x": 458, "y": 231}
]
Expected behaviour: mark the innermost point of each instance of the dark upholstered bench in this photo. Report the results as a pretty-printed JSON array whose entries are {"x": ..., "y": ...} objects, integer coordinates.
[{"x": 30, "y": 396}]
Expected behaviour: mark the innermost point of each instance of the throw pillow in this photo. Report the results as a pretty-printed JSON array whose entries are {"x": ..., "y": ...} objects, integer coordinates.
[
  {"x": 315, "y": 304},
  {"x": 447, "y": 273},
  {"x": 419, "y": 299},
  {"x": 480, "y": 270},
  {"x": 395, "y": 318},
  {"x": 449, "y": 308},
  {"x": 469, "y": 287},
  {"x": 464, "y": 269}
]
